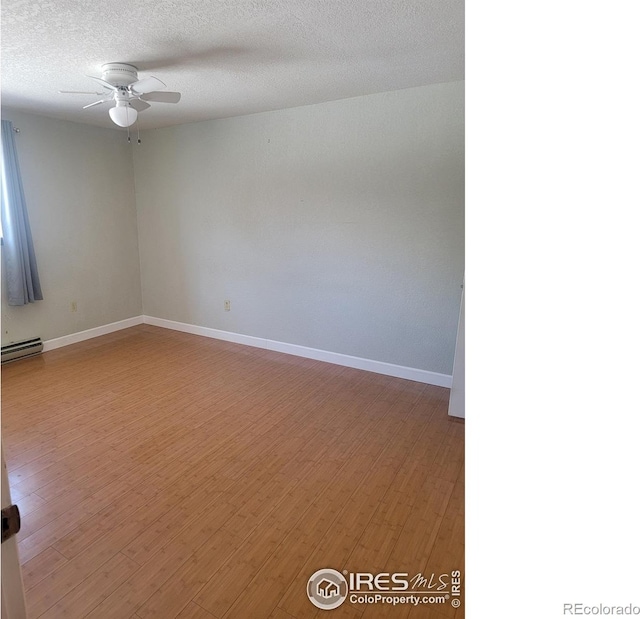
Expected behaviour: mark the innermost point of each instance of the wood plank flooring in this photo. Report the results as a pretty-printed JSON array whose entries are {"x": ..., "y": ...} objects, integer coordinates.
[{"x": 165, "y": 475}]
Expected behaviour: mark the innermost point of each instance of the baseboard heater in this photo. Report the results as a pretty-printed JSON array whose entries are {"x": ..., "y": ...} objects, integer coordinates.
[{"x": 20, "y": 350}]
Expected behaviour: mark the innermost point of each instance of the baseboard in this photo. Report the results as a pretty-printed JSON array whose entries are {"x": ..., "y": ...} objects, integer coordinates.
[
  {"x": 359, "y": 363},
  {"x": 74, "y": 338},
  {"x": 379, "y": 367}
]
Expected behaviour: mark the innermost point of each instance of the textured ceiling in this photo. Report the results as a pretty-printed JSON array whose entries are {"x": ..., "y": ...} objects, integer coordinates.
[{"x": 227, "y": 58}]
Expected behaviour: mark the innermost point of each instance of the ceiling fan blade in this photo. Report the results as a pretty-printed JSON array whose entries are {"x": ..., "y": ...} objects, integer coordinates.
[
  {"x": 79, "y": 92},
  {"x": 162, "y": 97},
  {"x": 103, "y": 82},
  {"x": 139, "y": 105},
  {"x": 94, "y": 103},
  {"x": 147, "y": 84}
]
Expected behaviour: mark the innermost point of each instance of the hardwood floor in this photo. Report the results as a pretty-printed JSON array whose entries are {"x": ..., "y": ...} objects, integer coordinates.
[{"x": 165, "y": 475}]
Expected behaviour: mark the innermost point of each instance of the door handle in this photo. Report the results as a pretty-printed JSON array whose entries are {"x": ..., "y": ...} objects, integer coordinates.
[{"x": 10, "y": 522}]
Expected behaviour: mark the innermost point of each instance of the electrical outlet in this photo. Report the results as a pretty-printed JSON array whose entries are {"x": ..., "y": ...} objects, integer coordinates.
[
  {"x": 74, "y": 306},
  {"x": 227, "y": 306}
]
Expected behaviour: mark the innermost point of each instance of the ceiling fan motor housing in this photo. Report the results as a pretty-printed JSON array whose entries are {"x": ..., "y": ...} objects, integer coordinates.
[{"x": 119, "y": 74}]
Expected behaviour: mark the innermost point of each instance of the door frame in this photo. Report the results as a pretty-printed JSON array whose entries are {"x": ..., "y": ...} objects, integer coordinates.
[
  {"x": 456, "y": 398},
  {"x": 13, "y": 605}
]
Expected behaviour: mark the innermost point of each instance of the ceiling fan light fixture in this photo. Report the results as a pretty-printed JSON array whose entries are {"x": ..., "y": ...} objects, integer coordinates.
[
  {"x": 120, "y": 83},
  {"x": 123, "y": 114}
]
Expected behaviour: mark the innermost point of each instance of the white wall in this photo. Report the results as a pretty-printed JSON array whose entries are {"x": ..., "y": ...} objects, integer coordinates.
[
  {"x": 336, "y": 226},
  {"x": 79, "y": 188}
]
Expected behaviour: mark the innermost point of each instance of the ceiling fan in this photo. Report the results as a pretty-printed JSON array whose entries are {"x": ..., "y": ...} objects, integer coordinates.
[{"x": 120, "y": 83}]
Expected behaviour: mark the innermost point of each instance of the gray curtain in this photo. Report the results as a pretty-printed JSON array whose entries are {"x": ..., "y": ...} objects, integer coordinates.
[{"x": 23, "y": 283}]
